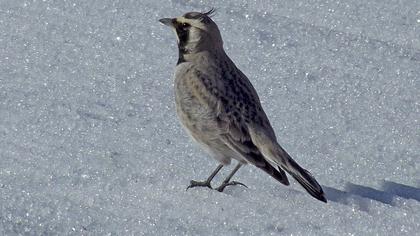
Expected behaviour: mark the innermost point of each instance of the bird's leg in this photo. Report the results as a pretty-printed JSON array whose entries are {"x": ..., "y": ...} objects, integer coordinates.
[
  {"x": 227, "y": 181},
  {"x": 205, "y": 183}
]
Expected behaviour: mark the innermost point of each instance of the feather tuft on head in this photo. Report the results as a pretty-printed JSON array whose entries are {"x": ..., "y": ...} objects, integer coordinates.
[{"x": 210, "y": 13}]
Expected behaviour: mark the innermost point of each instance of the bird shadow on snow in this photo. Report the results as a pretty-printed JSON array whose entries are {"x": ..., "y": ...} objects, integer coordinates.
[{"x": 358, "y": 194}]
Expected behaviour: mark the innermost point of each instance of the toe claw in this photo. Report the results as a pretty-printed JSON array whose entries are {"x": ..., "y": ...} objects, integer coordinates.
[
  {"x": 238, "y": 183},
  {"x": 194, "y": 183},
  {"x": 224, "y": 185}
]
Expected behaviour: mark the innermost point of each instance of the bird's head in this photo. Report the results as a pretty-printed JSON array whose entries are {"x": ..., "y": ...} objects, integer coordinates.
[{"x": 195, "y": 32}]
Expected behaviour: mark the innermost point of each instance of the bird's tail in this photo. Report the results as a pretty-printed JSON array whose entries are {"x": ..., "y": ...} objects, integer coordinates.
[
  {"x": 303, "y": 176},
  {"x": 272, "y": 151}
]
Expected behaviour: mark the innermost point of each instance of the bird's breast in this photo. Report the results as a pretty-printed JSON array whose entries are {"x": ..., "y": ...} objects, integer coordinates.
[{"x": 194, "y": 104}]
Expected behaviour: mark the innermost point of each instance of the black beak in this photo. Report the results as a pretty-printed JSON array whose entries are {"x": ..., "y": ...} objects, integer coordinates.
[{"x": 167, "y": 21}]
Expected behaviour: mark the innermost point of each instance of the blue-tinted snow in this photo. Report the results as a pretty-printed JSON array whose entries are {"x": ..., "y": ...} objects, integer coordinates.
[{"x": 90, "y": 144}]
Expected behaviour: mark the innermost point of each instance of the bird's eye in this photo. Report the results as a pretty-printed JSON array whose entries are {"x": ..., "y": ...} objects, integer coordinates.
[{"x": 184, "y": 25}]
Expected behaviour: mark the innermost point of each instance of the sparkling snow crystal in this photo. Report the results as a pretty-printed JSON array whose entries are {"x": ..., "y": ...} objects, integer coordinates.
[{"x": 90, "y": 143}]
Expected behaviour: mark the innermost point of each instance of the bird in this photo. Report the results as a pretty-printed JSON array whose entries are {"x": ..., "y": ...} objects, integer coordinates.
[{"x": 220, "y": 109}]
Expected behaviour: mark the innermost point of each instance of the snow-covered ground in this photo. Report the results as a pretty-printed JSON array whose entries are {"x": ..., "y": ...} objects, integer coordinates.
[{"x": 90, "y": 144}]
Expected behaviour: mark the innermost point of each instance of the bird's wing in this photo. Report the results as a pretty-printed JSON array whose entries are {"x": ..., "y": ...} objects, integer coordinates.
[
  {"x": 250, "y": 153},
  {"x": 234, "y": 106},
  {"x": 245, "y": 128}
]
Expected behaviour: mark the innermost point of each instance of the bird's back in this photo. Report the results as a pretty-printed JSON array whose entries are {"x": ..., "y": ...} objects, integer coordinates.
[{"x": 212, "y": 94}]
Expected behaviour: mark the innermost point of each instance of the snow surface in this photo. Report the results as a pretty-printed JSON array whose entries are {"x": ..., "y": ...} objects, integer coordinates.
[{"x": 90, "y": 144}]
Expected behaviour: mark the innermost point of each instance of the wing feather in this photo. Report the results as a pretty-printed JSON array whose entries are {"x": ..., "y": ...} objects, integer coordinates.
[{"x": 234, "y": 106}]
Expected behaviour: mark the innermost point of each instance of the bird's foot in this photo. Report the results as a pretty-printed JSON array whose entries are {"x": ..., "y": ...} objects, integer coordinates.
[
  {"x": 194, "y": 184},
  {"x": 225, "y": 184}
]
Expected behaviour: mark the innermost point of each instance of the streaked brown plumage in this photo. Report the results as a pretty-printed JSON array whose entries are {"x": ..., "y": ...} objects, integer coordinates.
[{"x": 220, "y": 108}]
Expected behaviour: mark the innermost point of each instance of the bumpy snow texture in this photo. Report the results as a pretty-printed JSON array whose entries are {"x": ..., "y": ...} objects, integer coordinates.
[{"x": 90, "y": 143}]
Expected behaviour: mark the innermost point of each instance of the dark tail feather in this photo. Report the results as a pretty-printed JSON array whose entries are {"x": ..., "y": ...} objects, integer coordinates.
[
  {"x": 306, "y": 179},
  {"x": 279, "y": 174}
]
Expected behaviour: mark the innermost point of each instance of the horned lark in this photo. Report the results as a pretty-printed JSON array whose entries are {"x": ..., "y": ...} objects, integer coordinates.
[{"x": 220, "y": 109}]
